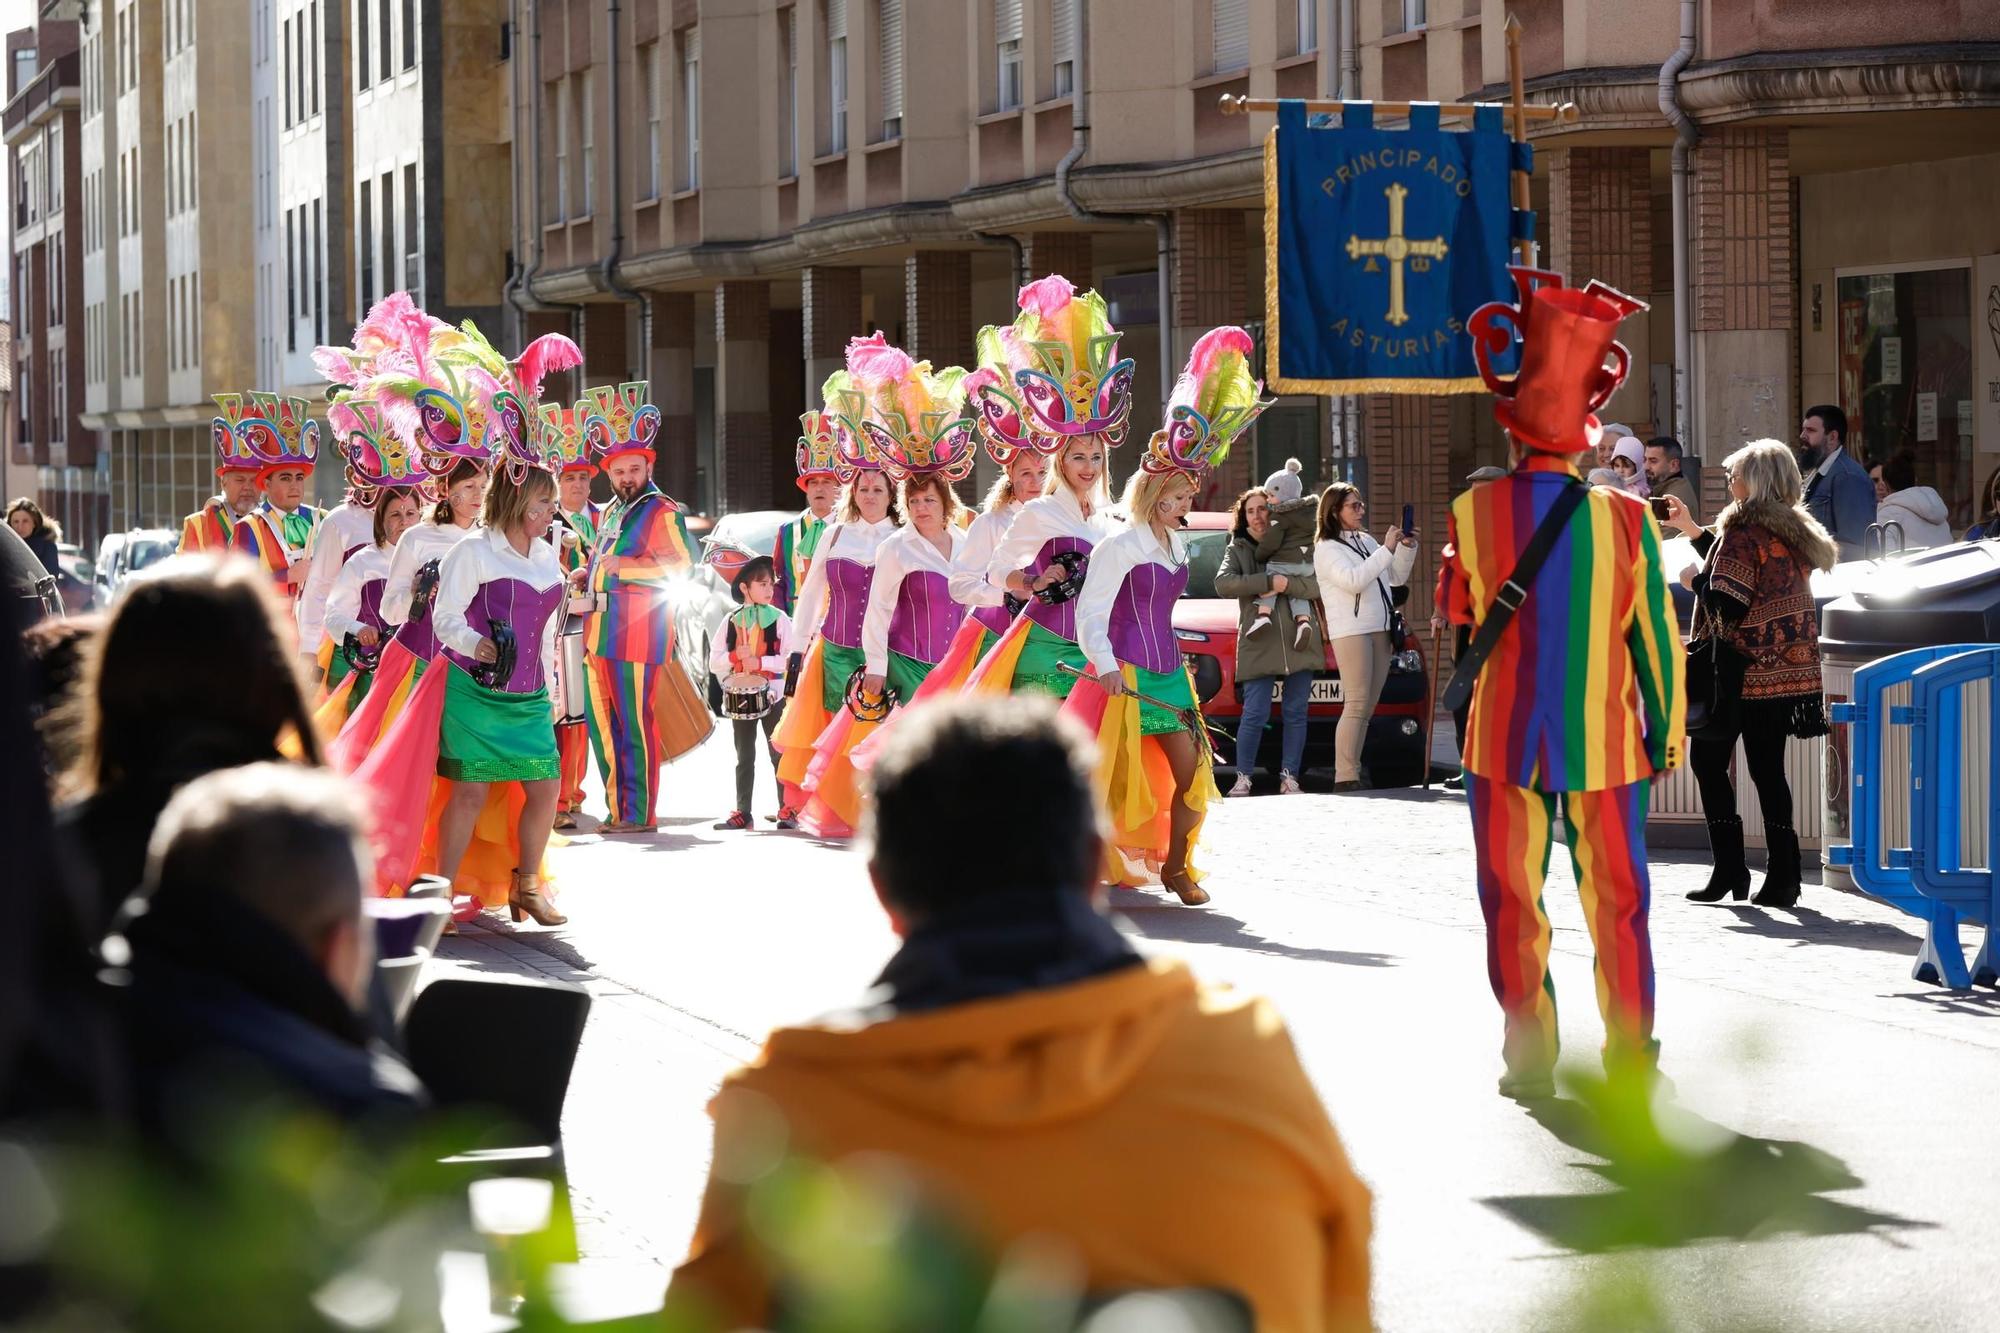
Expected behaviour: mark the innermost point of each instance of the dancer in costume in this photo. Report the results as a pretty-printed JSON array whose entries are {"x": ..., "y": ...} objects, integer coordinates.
[
  {"x": 911, "y": 616},
  {"x": 756, "y": 639},
  {"x": 799, "y": 538},
  {"x": 354, "y": 606},
  {"x": 642, "y": 546},
  {"x": 1154, "y": 771},
  {"x": 278, "y": 532},
  {"x": 1075, "y": 398},
  {"x": 834, "y": 602},
  {"x": 346, "y": 528},
  {"x": 213, "y": 526},
  {"x": 567, "y": 442},
  {"x": 1579, "y": 705}
]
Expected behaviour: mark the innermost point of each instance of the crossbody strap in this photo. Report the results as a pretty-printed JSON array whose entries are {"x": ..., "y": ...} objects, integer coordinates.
[{"x": 1512, "y": 594}]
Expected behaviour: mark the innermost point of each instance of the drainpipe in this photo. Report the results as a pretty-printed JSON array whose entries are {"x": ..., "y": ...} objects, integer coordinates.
[
  {"x": 607, "y": 271},
  {"x": 1685, "y": 137},
  {"x": 1350, "y": 54},
  {"x": 515, "y": 270},
  {"x": 1013, "y": 243},
  {"x": 1163, "y": 223}
]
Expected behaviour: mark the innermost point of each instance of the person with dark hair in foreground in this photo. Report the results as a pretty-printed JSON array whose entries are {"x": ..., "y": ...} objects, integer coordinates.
[
  {"x": 248, "y": 955},
  {"x": 1031, "y": 1071}
]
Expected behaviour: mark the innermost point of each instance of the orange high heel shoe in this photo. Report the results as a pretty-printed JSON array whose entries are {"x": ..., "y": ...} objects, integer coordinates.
[{"x": 525, "y": 897}]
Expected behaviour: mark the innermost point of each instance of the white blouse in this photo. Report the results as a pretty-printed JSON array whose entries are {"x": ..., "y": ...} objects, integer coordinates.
[
  {"x": 1041, "y": 521},
  {"x": 1355, "y": 573},
  {"x": 344, "y": 526},
  {"x": 420, "y": 544},
  {"x": 343, "y": 602},
  {"x": 857, "y": 541},
  {"x": 969, "y": 586},
  {"x": 483, "y": 558},
  {"x": 907, "y": 552},
  {"x": 1114, "y": 558}
]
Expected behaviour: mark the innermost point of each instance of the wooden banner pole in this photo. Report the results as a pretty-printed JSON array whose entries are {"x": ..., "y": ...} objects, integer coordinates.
[{"x": 1525, "y": 249}]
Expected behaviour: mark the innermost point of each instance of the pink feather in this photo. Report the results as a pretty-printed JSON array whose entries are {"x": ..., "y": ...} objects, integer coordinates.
[
  {"x": 1047, "y": 297},
  {"x": 383, "y": 324},
  {"x": 337, "y": 364},
  {"x": 980, "y": 379},
  {"x": 873, "y": 361},
  {"x": 543, "y": 357},
  {"x": 1212, "y": 346}
]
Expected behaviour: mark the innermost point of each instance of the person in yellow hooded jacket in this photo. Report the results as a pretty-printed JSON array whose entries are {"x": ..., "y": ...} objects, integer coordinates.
[{"x": 1032, "y": 1073}]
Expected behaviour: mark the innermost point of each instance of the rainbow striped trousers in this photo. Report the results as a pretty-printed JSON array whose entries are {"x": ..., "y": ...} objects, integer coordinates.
[
  {"x": 625, "y": 736},
  {"x": 1513, "y": 832}
]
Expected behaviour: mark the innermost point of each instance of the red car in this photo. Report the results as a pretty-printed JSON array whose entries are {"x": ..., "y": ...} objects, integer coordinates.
[{"x": 1394, "y": 753}]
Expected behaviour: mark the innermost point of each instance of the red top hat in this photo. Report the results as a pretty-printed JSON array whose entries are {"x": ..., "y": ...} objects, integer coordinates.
[{"x": 1566, "y": 334}]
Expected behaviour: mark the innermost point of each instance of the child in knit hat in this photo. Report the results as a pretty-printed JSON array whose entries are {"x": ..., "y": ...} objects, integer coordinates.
[{"x": 1286, "y": 546}]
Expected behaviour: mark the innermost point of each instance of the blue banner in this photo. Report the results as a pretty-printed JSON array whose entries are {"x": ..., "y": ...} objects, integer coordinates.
[{"x": 1379, "y": 245}]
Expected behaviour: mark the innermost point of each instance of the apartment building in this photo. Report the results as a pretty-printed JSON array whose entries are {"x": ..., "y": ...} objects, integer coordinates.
[{"x": 718, "y": 193}]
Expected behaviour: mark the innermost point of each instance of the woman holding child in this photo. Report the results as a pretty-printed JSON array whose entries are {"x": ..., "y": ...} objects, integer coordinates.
[{"x": 1268, "y": 660}]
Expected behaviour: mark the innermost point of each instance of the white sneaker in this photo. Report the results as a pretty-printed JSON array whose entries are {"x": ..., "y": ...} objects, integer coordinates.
[
  {"x": 1242, "y": 787},
  {"x": 1299, "y": 636},
  {"x": 1257, "y": 623},
  {"x": 1287, "y": 785}
]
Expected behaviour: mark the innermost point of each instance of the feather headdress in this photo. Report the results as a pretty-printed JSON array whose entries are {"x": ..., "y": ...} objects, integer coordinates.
[
  {"x": 1074, "y": 383},
  {"x": 1214, "y": 400}
]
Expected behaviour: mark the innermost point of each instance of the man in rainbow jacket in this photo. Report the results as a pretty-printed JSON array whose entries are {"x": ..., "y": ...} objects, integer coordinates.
[{"x": 1580, "y": 703}]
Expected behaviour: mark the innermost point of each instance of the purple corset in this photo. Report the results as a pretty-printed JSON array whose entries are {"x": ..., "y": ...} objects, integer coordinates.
[
  {"x": 925, "y": 617},
  {"x": 847, "y": 584},
  {"x": 523, "y": 610},
  {"x": 1142, "y": 617},
  {"x": 348, "y": 554},
  {"x": 1060, "y": 618},
  {"x": 370, "y": 613},
  {"x": 994, "y": 618}
]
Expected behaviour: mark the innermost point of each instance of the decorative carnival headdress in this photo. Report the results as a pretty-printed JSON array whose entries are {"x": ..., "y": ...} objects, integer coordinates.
[
  {"x": 565, "y": 441},
  {"x": 377, "y": 458},
  {"x": 618, "y": 420},
  {"x": 917, "y": 421},
  {"x": 990, "y": 393},
  {"x": 512, "y": 391},
  {"x": 265, "y": 431},
  {"x": 1214, "y": 401},
  {"x": 819, "y": 446},
  {"x": 844, "y": 408},
  {"x": 1566, "y": 335},
  {"x": 1074, "y": 384}
]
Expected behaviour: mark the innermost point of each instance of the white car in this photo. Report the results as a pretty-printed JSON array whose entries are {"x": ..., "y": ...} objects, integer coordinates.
[{"x": 133, "y": 553}]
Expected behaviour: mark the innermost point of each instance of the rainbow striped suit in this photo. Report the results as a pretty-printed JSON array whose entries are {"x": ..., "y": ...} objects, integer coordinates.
[
  {"x": 640, "y": 548},
  {"x": 258, "y": 535},
  {"x": 797, "y": 541},
  {"x": 1578, "y": 707},
  {"x": 210, "y": 528}
]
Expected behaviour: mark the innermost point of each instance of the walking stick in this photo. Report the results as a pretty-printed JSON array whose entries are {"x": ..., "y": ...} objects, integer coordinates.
[
  {"x": 1190, "y": 717},
  {"x": 1431, "y": 698}
]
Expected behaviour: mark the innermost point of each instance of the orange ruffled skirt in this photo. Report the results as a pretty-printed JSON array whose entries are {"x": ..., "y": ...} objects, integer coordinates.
[{"x": 1135, "y": 786}]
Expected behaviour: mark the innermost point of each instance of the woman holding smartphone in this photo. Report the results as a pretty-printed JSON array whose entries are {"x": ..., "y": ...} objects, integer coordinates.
[{"x": 1355, "y": 574}]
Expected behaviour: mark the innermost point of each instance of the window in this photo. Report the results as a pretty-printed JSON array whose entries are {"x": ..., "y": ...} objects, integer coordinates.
[
  {"x": 788, "y": 92},
  {"x": 586, "y": 115},
  {"x": 559, "y": 95},
  {"x": 836, "y": 76},
  {"x": 319, "y": 277},
  {"x": 56, "y": 281},
  {"x": 285, "y": 79},
  {"x": 299, "y": 56},
  {"x": 1416, "y": 13},
  {"x": 59, "y": 391},
  {"x": 1905, "y": 378},
  {"x": 365, "y": 237},
  {"x": 691, "y": 108},
  {"x": 361, "y": 64},
  {"x": 409, "y": 34},
  {"x": 412, "y": 276},
  {"x": 390, "y": 278},
  {"x": 386, "y": 43},
  {"x": 889, "y": 51},
  {"x": 292, "y": 279},
  {"x": 55, "y": 167},
  {"x": 24, "y": 70},
  {"x": 193, "y": 162},
  {"x": 1007, "y": 55},
  {"x": 312, "y": 55},
  {"x": 649, "y": 170},
  {"x": 1229, "y": 29},
  {"x": 1305, "y": 30},
  {"x": 1062, "y": 47}
]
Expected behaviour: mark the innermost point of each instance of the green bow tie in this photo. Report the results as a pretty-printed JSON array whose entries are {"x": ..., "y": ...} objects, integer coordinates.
[{"x": 297, "y": 527}]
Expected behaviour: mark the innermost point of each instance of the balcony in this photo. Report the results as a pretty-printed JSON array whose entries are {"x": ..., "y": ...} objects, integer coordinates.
[{"x": 55, "y": 86}]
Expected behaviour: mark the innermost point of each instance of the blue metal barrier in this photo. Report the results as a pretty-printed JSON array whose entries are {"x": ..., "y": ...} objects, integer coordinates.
[
  {"x": 1937, "y": 751},
  {"x": 1881, "y": 871}
]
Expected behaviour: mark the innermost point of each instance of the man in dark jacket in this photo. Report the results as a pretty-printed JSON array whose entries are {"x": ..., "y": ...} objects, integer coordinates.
[
  {"x": 249, "y": 957},
  {"x": 1839, "y": 492}
]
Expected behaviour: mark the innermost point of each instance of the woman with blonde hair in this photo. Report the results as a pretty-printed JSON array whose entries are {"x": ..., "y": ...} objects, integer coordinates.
[{"x": 1754, "y": 612}]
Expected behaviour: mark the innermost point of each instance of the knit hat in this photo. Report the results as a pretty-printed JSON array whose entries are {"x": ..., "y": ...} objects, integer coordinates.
[{"x": 1285, "y": 484}]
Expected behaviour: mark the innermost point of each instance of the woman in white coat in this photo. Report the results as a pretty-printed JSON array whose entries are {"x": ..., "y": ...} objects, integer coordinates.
[{"x": 1355, "y": 574}]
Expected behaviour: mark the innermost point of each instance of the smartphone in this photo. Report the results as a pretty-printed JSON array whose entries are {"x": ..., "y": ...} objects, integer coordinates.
[
  {"x": 1409, "y": 519},
  {"x": 1660, "y": 510}
]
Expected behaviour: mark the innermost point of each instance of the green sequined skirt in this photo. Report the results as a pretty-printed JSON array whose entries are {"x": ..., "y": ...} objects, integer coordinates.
[
  {"x": 838, "y": 666},
  {"x": 1170, "y": 687},
  {"x": 491, "y": 736},
  {"x": 1038, "y": 668}
]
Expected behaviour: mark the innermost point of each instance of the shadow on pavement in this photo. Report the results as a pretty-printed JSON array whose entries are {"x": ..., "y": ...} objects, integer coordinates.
[
  {"x": 1162, "y": 921},
  {"x": 1979, "y": 1003},
  {"x": 1669, "y": 1193},
  {"x": 1802, "y": 925}
]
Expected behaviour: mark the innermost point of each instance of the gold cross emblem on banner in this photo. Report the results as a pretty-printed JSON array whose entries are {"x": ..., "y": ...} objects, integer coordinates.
[{"x": 1397, "y": 249}]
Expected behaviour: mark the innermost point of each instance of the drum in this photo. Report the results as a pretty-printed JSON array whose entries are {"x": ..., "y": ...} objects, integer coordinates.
[
  {"x": 682, "y": 717},
  {"x": 572, "y": 687},
  {"x": 746, "y": 696}
]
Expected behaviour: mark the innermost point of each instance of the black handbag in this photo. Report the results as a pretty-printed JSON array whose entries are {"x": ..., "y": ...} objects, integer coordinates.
[{"x": 1714, "y": 688}]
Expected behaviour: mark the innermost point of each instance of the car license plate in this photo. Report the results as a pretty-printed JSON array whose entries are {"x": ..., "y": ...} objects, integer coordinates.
[{"x": 1326, "y": 691}]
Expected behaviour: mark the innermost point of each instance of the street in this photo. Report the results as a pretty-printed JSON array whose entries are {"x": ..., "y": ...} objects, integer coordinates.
[{"x": 1867, "y": 1093}]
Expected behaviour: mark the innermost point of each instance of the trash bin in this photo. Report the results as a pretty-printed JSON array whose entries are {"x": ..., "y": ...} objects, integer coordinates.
[{"x": 1942, "y": 596}]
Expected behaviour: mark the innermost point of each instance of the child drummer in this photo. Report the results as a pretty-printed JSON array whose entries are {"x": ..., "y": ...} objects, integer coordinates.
[{"x": 748, "y": 655}]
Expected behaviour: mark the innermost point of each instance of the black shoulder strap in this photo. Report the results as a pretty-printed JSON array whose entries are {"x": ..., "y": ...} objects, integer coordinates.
[{"x": 1513, "y": 593}]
